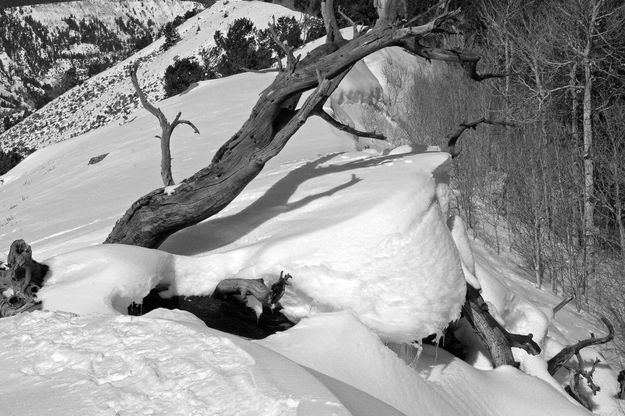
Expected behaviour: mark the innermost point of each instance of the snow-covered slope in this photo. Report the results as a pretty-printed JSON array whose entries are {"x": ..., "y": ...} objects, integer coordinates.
[
  {"x": 317, "y": 210},
  {"x": 38, "y": 44},
  {"x": 109, "y": 96},
  {"x": 363, "y": 233}
]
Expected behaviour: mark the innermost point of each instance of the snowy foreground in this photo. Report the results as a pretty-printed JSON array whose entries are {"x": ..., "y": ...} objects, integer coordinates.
[{"x": 365, "y": 235}]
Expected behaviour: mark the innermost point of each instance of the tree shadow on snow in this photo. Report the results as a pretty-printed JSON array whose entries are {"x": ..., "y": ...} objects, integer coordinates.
[{"x": 219, "y": 232}]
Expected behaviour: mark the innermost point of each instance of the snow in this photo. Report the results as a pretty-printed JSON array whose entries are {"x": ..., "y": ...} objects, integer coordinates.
[
  {"x": 351, "y": 235},
  {"x": 340, "y": 346},
  {"x": 163, "y": 363},
  {"x": 367, "y": 235}
]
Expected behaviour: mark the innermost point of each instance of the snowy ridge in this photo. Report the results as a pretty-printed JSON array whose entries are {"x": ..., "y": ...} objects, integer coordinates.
[
  {"x": 62, "y": 34},
  {"x": 109, "y": 96}
]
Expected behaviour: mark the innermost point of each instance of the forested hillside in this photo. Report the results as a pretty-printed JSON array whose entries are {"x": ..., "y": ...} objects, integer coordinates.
[{"x": 46, "y": 50}]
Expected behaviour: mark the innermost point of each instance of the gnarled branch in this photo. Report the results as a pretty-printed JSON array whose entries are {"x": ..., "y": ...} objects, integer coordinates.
[
  {"x": 288, "y": 51},
  {"x": 356, "y": 33},
  {"x": 167, "y": 128},
  {"x": 468, "y": 60},
  {"x": 561, "y": 358},
  {"x": 348, "y": 129},
  {"x": 495, "y": 337},
  {"x": 453, "y": 138}
]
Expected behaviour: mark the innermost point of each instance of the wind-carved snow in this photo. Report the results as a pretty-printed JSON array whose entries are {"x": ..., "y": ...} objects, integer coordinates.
[
  {"x": 164, "y": 363},
  {"x": 361, "y": 232},
  {"x": 353, "y": 237}
]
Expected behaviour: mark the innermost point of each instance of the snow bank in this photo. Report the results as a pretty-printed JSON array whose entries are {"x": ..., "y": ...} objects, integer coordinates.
[
  {"x": 339, "y": 345},
  {"x": 353, "y": 237},
  {"x": 164, "y": 363}
]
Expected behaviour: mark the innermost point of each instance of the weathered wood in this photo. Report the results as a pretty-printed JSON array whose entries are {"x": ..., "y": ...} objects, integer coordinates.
[
  {"x": 561, "y": 358},
  {"x": 225, "y": 309},
  {"x": 273, "y": 120},
  {"x": 24, "y": 276},
  {"x": 562, "y": 304},
  {"x": 348, "y": 129},
  {"x": 167, "y": 128},
  {"x": 495, "y": 337},
  {"x": 24, "y": 270}
]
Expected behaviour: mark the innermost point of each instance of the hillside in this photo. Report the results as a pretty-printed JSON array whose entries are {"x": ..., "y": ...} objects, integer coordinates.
[
  {"x": 320, "y": 210},
  {"x": 47, "y": 49},
  {"x": 378, "y": 260},
  {"x": 109, "y": 96}
]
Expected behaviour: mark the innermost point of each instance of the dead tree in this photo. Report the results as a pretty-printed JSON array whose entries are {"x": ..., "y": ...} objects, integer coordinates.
[
  {"x": 24, "y": 276},
  {"x": 167, "y": 128},
  {"x": 273, "y": 120},
  {"x": 497, "y": 340},
  {"x": 561, "y": 358}
]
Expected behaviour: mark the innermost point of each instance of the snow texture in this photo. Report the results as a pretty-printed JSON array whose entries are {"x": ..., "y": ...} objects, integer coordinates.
[{"x": 364, "y": 234}]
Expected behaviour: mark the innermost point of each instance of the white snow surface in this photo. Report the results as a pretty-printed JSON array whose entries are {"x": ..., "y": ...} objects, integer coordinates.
[
  {"x": 364, "y": 235},
  {"x": 353, "y": 237},
  {"x": 163, "y": 363}
]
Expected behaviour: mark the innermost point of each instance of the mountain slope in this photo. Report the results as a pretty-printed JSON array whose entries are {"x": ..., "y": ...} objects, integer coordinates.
[
  {"x": 319, "y": 210},
  {"x": 46, "y": 49},
  {"x": 110, "y": 96}
]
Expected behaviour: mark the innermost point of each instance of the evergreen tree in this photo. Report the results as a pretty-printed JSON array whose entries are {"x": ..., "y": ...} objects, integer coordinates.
[
  {"x": 181, "y": 74},
  {"x": 171, "y": 36}
]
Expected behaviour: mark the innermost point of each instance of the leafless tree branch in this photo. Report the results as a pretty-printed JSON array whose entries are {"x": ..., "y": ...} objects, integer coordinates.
[
  {"x": 452, "y": 139},
  {"x": 558, "y": 360},
  {"x": 348, "y": 129}
]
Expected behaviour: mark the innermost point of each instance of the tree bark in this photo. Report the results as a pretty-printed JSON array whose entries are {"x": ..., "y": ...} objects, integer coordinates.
[
  {"x": 389, "y": 11},
  {"x": 495, "y": 337},
  {"x": 167, "y": 128},
  {"x": 589, "y": 184},
  {"x": 272, "y": 122}
]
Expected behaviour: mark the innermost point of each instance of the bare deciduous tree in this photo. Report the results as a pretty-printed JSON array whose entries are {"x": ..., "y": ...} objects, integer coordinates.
[{"x": 167, "y": 128}]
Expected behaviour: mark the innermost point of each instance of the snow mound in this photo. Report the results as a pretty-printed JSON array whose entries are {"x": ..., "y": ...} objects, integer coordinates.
[
  {"x": 378, "y": 247},
  {"x": 164, "y": 363},
  {"x": 338, "y": 345}
]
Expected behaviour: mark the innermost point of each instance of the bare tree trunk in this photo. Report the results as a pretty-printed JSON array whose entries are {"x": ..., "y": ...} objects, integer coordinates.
[
  {"x": 167, "y": 128},
  {"x": 618, "y": 204},
  {"x": 574, "y": 104},
  {"x": 389, "y": 11},
  {"x": 495, "y": 337},
  {"x": 538, "y": 255},
  {"x": 166, "y": 175},
  {"x": 589, "y": 184},
  {"x": 272, "y": 122}
]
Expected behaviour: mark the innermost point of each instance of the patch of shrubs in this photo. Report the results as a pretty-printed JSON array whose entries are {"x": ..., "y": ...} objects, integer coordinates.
[
  {"x": 10, "y": 158},
  {"x": 171, "y": 36},
  {"x": 243, "y": 47},
  {"x": 180, "y": 75}
]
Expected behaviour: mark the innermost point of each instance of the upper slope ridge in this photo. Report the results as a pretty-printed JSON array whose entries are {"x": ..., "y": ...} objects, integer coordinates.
[{"x": 109, "y": 96}]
